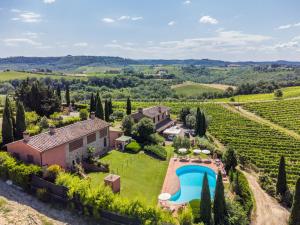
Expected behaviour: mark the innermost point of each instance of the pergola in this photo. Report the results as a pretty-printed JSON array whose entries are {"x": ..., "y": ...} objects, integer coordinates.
[{"x": 122, "y": 141}]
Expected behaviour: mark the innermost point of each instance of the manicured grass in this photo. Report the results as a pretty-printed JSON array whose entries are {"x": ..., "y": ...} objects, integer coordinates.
[
  {"x": 189, "y": 89},
  {"x": 289, "y": 92},
  {"x": 142, "y": 176}
]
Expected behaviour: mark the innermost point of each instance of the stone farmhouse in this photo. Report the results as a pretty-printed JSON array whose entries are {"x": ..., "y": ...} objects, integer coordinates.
[
  {"x": 63, "y": 146},
  {"x": 160, "y": 115}
]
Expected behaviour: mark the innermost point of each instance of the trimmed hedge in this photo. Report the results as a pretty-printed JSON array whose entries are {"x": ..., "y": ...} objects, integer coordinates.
[
  {"x": 243, "y": 192},
  {"x": 18, "y": 172},
  {"x": 156, "y": 150},
  {"x": 133, "y": 147}
]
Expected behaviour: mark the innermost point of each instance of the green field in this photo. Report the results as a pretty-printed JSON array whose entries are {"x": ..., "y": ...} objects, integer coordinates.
[
  {"x": 141, "y": 175},
  {"x": 285, "y": 113},
  {"x": 289, "y": 92},
  {"x": 190, "y": 89},
  {"x": 12, "y": 75}
]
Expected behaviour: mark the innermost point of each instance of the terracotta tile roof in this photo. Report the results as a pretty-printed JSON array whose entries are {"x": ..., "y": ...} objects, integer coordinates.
[
  {"x": 46, "y": 141},
  {"x": 150, "y": 112}
]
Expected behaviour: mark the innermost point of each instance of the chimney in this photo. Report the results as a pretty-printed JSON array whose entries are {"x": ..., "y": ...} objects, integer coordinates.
[
  {"x": 52, "y": 129},
  {"x": 92, "y": 115},
  {"x": 159, "y": 109},
  {"x": 140, "y": 110},
  {"x": 26, "y": 136}
]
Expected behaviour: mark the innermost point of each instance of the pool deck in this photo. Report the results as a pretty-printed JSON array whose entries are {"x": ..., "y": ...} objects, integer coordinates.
[{"x": 171, "y": 183}]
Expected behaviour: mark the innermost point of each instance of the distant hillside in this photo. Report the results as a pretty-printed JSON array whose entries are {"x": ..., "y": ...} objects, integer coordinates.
[{"x": 73, "y": 62}]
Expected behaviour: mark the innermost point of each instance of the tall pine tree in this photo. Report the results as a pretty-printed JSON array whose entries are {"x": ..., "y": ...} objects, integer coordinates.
[
  {"x": 99, "y": 108},
  {"x": 68, "y": 95},
  {"x": 295, "y": 212},
  {"x": 7, "y": 123},
  {"x": 106, "y": 110},
  {"x": 128, "y": 106},
  {"x": 92, "y": 103},
  {"x": 204, "y": 124},
  {"x": 20, "y": 121},
  {"x": 219, "y": 208},
  {"x": 205, "y": 204},
  {"x": 281, "y": 186}
]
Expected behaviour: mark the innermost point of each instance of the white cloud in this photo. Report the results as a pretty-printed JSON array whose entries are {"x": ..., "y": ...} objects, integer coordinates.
[
  {"x": 108, "y": 20},
  {"x": 136, "y": 18},
  {"x": 124, "y": 18},
  {"x": 81, "y": 44},
  {"x": 187, "y": 2},
  {"x": 26, "y": 16},
  {"x": 49, "y": 1},
  {"x": 230, "y": 43},
  {"x": 18, "y": 41},
  {"x": 288, "y": 26},
  {"x": 208, "y": 20},
  {"x": 171, "y": 23}
]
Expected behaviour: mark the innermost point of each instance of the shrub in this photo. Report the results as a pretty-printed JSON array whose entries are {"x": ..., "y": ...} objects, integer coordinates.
[
  {"x": 133, "y": 147},
  {"x": 21, "y": 174},
  {"x": 83, "y": 114},
  {"x": 7, "y": 162},
  {"x": 31, "y": 117},
  {"x": 44, "y": 122},
  {"x": 236, "y": 214},
  {"x": 102, "y": 198},
  {"x": 52, "y": 172},
  {"x": 267, "y": 184},
  {"x": 157, "y": 151},
  {"x": 42, "y": 194},
  {"x": 195, "y": 206},
  {"x": 33, "y": 129},
  {"x": 186, "y": 216}
]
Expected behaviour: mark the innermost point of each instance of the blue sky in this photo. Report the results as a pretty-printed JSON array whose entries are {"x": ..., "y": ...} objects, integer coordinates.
[{"x": 168, "y": 29}]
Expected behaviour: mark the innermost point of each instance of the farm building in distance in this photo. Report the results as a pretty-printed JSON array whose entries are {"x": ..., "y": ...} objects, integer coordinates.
[{"x": 63, "y": 146}]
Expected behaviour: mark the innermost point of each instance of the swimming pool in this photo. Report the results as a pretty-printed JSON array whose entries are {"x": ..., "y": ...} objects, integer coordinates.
[{"x": 191, "y": 178}]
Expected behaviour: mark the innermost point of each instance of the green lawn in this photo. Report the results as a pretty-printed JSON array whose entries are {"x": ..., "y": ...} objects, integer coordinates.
[
  {"x": 289, "y": 92},
  {"x": 190, "y": 89},
  {"x": 141, "y": 175}
]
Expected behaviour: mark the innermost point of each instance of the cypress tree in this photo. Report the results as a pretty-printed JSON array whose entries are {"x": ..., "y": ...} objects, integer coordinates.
[
  {"x": 106, "y": 110},
  {"x": 7, "y": 124},
  {"x": 128, "y": 106},
  {"x": 205, "y": 204},
  {"x": 219, "y": 208},
  {"x": 67, "y": 95},
  {"x": 198, "y": 122},
  {"x": 92, "y": 103},
  {"x": 20, "y": 121},
  {"x": 203, "y": 124},
  {"x": 281, "y": 186},
  {"x": 295, "y": 212},
  {"x": 99, "y": 108},
  {"x": 58, "y": 92},
  {"x": 110, "y": 107}
]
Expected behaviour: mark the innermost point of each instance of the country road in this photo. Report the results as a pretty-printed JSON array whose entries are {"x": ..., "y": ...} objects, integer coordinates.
[{"x": 268, "y": 210}]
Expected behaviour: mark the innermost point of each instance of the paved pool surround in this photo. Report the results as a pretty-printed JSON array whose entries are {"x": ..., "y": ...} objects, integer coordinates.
[{"x": 171, "y": 183}]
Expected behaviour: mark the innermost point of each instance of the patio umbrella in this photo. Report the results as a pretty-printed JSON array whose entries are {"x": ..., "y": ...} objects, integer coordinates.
[
  {"x": 197, "y": 151},
  {"x": 207, "y": 152},
  {"x": 164, "y": 196},
  {"x": 182, "y": 150}
]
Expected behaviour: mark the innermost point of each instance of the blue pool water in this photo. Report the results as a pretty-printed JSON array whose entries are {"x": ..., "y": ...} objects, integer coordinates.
[{"x": 191, "y": 178}]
